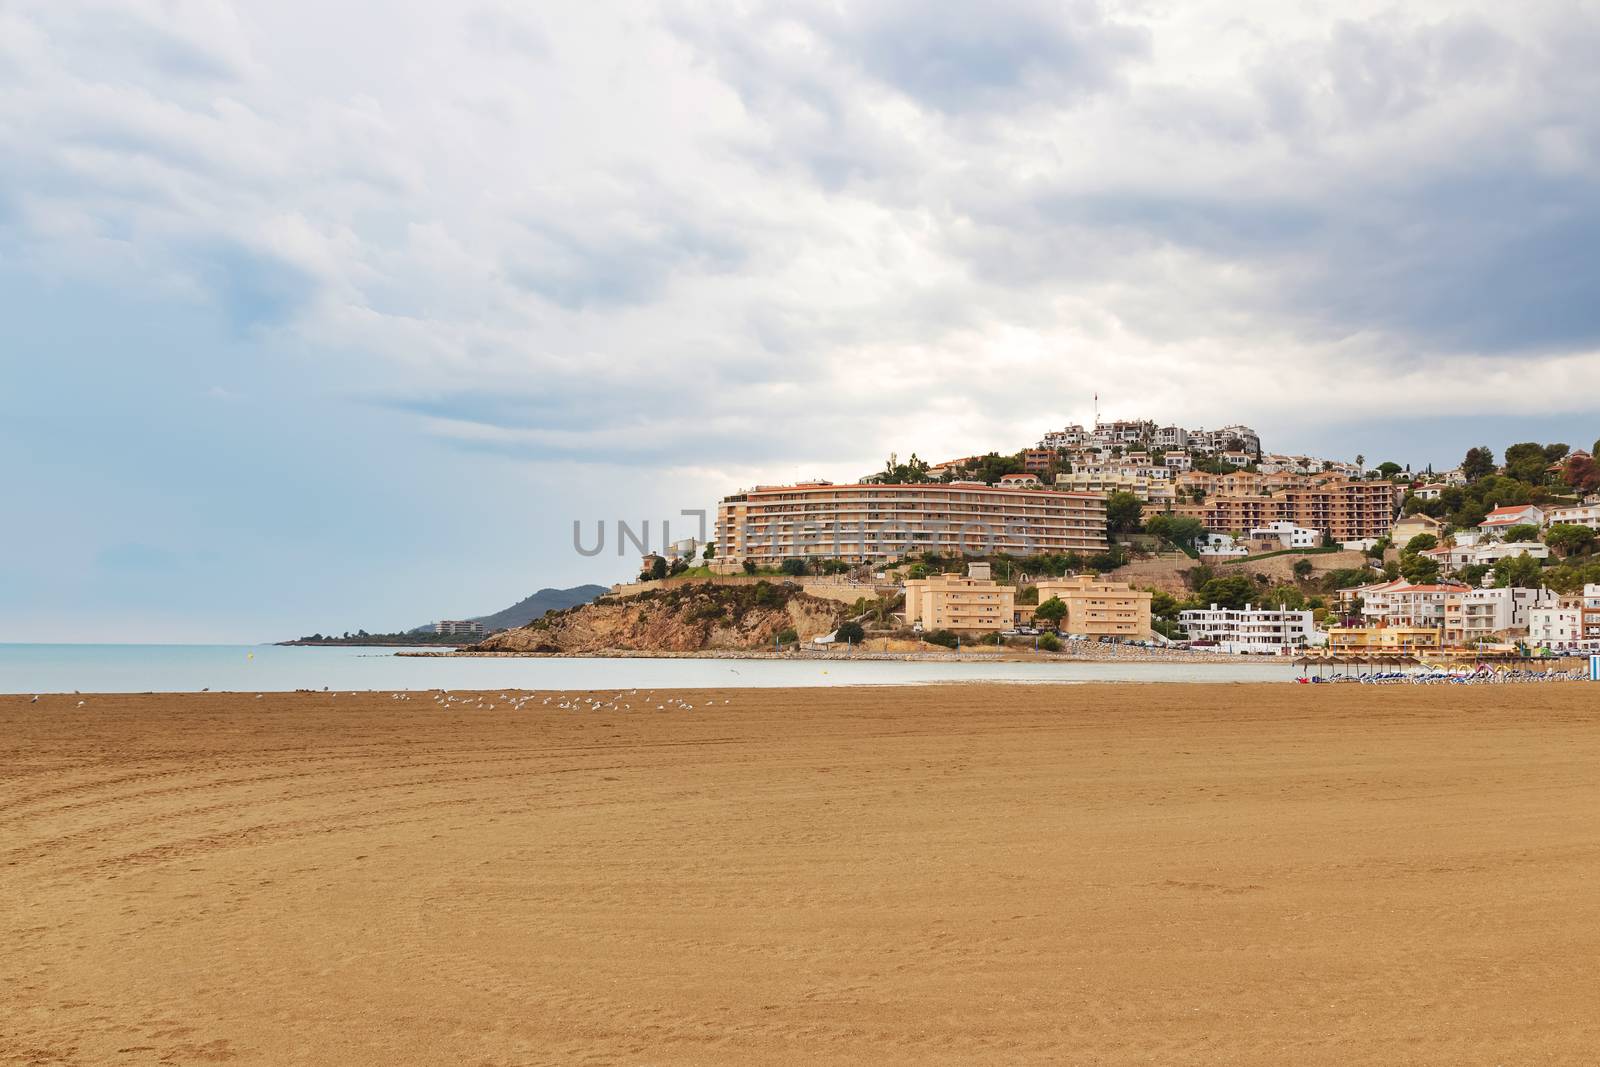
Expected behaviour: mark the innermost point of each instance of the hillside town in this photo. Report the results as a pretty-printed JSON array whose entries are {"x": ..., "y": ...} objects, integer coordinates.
[{"x": 1134, "y": 531}]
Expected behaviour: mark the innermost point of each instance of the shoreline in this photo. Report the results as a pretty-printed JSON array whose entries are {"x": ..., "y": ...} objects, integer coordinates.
[{"x": 822, "y": 656}]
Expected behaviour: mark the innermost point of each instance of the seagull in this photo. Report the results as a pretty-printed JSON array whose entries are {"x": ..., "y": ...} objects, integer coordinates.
[
  {"x": 35, "y": 700},
  {"x": 81, "y": 703}
]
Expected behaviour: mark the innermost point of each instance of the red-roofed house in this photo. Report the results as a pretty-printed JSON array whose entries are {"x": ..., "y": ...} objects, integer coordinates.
[{"x": 1501, "y": 519}]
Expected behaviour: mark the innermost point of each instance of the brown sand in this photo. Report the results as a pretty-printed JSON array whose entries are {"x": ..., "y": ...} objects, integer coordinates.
[{"x": 1264, "y": 874}]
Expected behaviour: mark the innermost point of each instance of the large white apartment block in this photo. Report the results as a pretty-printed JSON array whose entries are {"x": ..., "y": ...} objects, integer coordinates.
[
  {"x": 1556, "y": 627},
  {"x": 1269, "y": 631},
  {"x": 1575, "y": 515},
  {"x": 1487, "y": 615}
]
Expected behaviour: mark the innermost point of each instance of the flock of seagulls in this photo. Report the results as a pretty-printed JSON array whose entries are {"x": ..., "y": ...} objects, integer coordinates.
[{"x": 619, "y": 701}]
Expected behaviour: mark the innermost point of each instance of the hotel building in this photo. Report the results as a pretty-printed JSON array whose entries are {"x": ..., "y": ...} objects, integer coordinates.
[
  {"x": 868, "y": 523},
  {"x": 971, "y": 604},
  {"x": 1097, "y": 608}
]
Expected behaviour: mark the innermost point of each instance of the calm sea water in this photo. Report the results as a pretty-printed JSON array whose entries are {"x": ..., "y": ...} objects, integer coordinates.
[{"x": 270, "y": 668}]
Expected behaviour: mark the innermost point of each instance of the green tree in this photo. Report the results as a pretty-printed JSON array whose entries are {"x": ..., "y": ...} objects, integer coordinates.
[
  {"x": 793, "y": 567},
  {"x": 850, "y": 633},
  {"x": 1520, "y": 572},
  {"x": 1164, "y": 605},
  {"x": 1472, "y": 573},
  {"x": 1479, "y": 463},
  {"x": 1123, "y": 510},
  {"x": 658, "y": 567},
  {"x": 1526, "y": 463},
  {"x": 711, "y": 550},
  {"x": 1570, "y": 539},
  {"x": 1175, "y": 529},
  {"x": 749, "y": 566},
  {"x": 1522, "y": 531},
  {"x": 941, "y": 637},
  {"x": 1555, "y": 453},
  {"x": 1049, "y": 643},
  {"x": 1389, "y": 469},
  {"x": 1284, "y": 596},
  {"x": 1420, "y": 570},
  {"x": 1421, "y": 543},
  {"x": 1052, "y": 611},
  {"x": 1234, "y": 591}
]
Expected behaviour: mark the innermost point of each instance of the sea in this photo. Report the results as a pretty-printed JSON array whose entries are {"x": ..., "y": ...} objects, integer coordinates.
[{"x": 40, "y": 668}]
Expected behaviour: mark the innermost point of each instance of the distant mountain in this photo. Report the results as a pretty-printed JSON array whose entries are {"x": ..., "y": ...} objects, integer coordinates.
[{"x": 525, "y": 611}]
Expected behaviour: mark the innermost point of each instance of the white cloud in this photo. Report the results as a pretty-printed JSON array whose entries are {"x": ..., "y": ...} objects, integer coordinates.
[{"x": 783, "y": 237}]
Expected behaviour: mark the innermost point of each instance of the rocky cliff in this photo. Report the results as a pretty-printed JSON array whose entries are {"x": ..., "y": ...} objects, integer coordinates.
[{"x": 686, "y": 618}]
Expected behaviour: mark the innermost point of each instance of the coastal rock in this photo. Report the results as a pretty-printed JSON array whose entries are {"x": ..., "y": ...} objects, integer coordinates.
[{"x": 687, "y": 618}]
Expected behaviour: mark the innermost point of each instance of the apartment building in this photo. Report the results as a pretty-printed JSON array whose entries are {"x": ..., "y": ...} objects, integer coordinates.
[
  {"x": 1038, "y": 460},
  {"x": 1383, "y": 640},
  {"x": 1575, "y": 515},
  {"x": 1560, "y": 626},
  {"x": 459, "y": 628},
  {"x": 1098, "y": 608},
  {"x": 1073, "y": 436},
  {"x": 865, "y": 523},
  {"x": 1342, "y": 510},
  {"x": 1591, "y": 615},
  {"x": 1252, "y": 630},
  {"x": 1158, "y": 492},
  {"x": 1171, "y": 439},
  {"x": 973, "y": 603},
  {"x": 1484, "y": 616},
  {"x": 1400, "y": 603}
]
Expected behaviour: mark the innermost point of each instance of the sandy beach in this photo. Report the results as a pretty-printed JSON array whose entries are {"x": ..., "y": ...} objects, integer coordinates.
[{"x": 1089, "y": 874}]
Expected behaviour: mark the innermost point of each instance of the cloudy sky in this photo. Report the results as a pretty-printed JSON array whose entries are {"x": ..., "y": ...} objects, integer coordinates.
[{"x": 317, "y": 316}]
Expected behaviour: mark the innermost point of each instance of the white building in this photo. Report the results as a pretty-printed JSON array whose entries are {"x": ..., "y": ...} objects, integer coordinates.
[
  {"x": 1400, "y": 603},
  {"x": 1494, "y": 551},
  {"x": 1270, "y": 631},
  {"x": 1502, "y": 519},
  {"x": 1487, "y": 615},
  {"x": 459, "y": 627},
  {"x": 1575, "y": 515},
  {"x": 1286, "y": 534},
  {"x": 1220, "y": 544},
  {"x": 1171, "y": 438},
  {"x": 1177, "y": 461},
  {"x": 1072, "y": 436},
  {"x": 1556, "y": 627}
]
